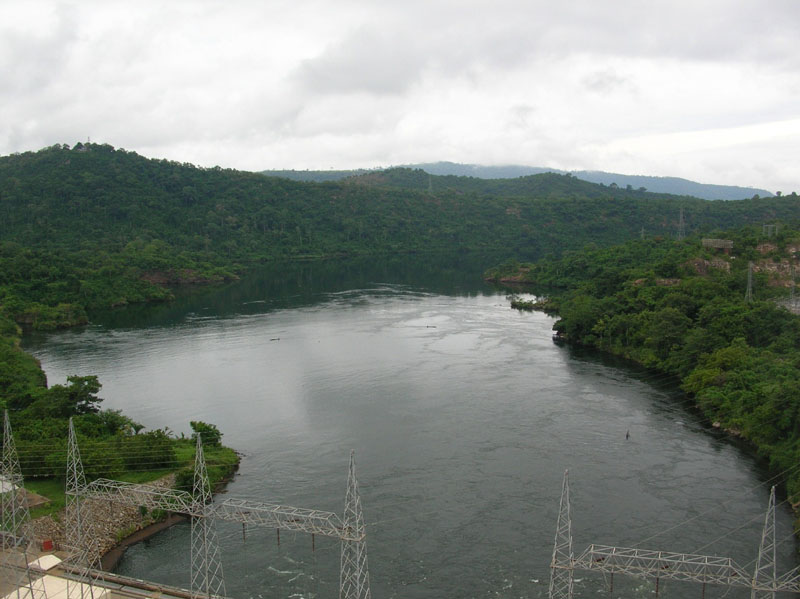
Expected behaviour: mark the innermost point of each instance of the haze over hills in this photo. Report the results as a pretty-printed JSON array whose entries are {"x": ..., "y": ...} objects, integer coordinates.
[{"x": 670, "y": 185}]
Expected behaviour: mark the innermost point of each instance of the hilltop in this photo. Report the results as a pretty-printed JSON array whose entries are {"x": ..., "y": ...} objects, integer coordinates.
[
  {"x": 90, "y": 226},
  {"x": 662, "y": 185}
]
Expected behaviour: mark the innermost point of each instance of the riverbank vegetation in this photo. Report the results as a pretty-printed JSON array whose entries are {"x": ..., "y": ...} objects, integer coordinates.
[
  {"x": 111, "y": 444},
  {"x": 90, "y": 227},
  {"x": 683, "y": 308}
]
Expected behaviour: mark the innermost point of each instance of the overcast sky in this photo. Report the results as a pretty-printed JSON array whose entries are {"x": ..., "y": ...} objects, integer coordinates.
[{"x": 703, "y": 89}]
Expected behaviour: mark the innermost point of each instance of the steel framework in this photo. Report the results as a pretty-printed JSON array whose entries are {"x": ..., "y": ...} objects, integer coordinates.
[
  {"x": 645, "y": 563},
  {"x": 561, "y": 578},
  {"x": 354, "y": 574},
  {"x": 206, "y": 564},
  {"x": 267, "y": 515},
  {"x": 15, "y": 526},
  {"x": 766, "y": 571},
  {"x": 84, "y": 555},
  {"x": 206, "y": 568}
]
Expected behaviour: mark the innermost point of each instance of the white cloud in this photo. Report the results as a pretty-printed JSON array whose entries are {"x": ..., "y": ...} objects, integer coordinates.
[{"x": 668, "y": 88}]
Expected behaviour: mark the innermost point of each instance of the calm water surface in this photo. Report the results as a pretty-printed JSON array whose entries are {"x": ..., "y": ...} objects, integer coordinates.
[{"x": 463, "y": 414}]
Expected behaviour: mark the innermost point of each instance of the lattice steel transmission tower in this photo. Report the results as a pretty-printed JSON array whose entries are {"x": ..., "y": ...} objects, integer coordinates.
[
  {"x": 560, "y": 576},
  {"x": 681, "y": 227},
  {"x": 763, "y": 583},
  {"x": 206, "y": 564},
  {"x": 765, "y": 572},
  {"x": 79, "y": 527},
  {"x": 354, "y": 573},
  {"x": 206, "y": 576},
  {"x": 15, "y": 525},
  {"x": 748, "y": 294}
]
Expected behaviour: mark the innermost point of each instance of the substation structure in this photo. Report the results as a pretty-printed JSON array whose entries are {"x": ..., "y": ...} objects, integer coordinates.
[
  {"x": 206, "y": 575},
  {"x": 763, "y": 582}
]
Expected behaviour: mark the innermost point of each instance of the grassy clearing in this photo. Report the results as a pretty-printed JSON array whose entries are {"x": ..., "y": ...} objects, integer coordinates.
[{"x": 221, "y": 463}]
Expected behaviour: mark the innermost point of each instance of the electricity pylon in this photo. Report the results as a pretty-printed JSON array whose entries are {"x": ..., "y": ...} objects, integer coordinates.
[
  {"x": 15, "y": 525},
  {"x": 681, "y": 227},
  {"x": 79, "y": 529},
  {"x": 206, "y": 568},
  {"x": 646, "y": 563},
  {"x": 561, "y": 564},
  {"x": 354, "y": 574},
  {"x": 748, "y": 295},
  {"x": 206, "y": 565},
  {"x": 765, "y": 572}
]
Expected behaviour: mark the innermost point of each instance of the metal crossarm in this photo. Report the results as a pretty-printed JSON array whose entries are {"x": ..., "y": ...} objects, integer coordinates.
[
  {"x": 280, "y": 516},
  {"x": 149, "y": 496},
  {"x": 790, "y": 581},
  {"x": 268, "y": 515},
  {"x": 206, "y": 576},
  {"x": 663, "y": 564}
]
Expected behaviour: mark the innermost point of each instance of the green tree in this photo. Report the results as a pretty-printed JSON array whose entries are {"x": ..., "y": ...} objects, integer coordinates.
[{"x": 209, "y": 433}]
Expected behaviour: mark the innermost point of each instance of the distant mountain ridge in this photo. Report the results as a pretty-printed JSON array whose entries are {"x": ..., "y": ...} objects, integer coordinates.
[{"x": 670, "y": 185}]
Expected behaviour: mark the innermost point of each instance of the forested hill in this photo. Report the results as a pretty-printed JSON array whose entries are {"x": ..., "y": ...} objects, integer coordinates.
[
  {"x": 544, "y": 185},
  {"x": 664, "y": 185},
  {"x": 90, "y": 226}
]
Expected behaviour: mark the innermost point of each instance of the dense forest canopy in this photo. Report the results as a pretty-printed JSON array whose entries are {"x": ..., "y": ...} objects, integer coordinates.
[{"x": 90, "y": 226}]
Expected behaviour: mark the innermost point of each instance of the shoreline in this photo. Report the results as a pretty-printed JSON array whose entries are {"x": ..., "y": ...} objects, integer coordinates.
[{"x": 110, "y": 559}]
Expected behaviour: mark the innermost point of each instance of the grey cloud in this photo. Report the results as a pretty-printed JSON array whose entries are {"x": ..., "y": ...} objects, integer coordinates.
[
  {"x": 366, "y": 61},
  {"x": 30, "y": 62},
  {"x": 605, "y": 81}
]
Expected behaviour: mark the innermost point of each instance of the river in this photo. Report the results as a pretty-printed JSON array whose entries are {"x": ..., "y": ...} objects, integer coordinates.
[{"x": 463, "y": 415}]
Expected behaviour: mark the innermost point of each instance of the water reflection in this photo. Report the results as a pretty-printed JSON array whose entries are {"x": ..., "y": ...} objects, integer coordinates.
[{"x": 463, "y": 414}]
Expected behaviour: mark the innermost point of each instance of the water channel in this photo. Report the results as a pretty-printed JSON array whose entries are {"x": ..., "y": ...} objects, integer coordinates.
[{"x": 463, "y": 414}]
